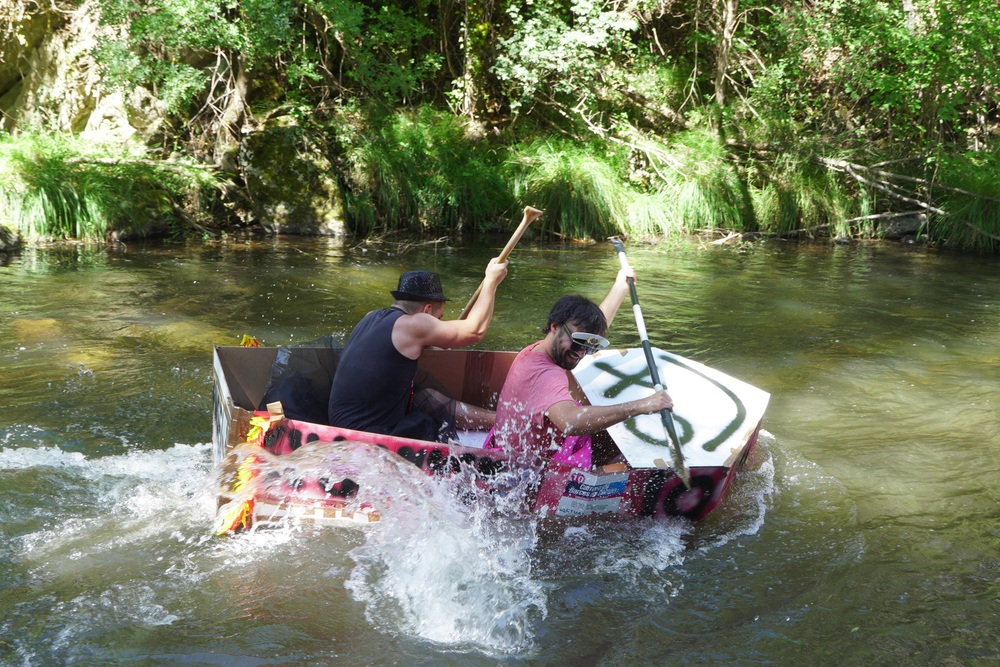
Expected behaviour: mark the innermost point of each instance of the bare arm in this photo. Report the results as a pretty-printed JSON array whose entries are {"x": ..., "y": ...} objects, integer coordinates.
[
  {"x": 616, "y": 295},
  {"x": 573, "y": 419},
  {"x": 415, "y": 332}
]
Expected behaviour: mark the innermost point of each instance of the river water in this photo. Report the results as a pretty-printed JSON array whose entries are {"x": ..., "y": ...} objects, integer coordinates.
[{"x": 866, "y": 532}]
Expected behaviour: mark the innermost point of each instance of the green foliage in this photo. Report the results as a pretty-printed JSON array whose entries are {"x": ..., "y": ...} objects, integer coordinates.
[
  {"x": 626, "y": 86},
  {"x": 970, "y": 197},
  {"x": 698, "y": 185},
  {"x": 794, "y": 192},
  {"x": 556, "y": 47},
  {"x": 704, "y": 189},
  {"x": 883, "y": 72},
  {"x": 53, "y": 186},
  {"x": 649, "y": 214},
  {"x": 418, "y": 171},
  {"x": 660, "y": 81},
  {"x": 376, "y": 49},
  {"x": 582, "y": 194},
  {"x": 180, "y": 84}
]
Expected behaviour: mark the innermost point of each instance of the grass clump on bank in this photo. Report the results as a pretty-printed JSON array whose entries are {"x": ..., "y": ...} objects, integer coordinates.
[
  {"x": 417, "y": 171},
  {"x": 705, "y": 190},
  {"x": 581, "y": 192},
  {"x": 58, "y": 187},
  {"x": 792, "y": 193},
  {"x": 969, "y": 194}
]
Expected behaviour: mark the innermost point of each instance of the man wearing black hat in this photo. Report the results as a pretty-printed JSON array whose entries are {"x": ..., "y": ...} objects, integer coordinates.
[{"x": 373, "y": 388}]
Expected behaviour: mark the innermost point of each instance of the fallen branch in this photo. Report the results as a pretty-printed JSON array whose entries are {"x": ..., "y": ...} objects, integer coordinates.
[
  {"x": 170, "y": 165},
  {"x": 183, "y": 215},
  {"x": 805, "y": 230},
  {"x": 854, "y": 169},
  {"x": 985, "y": 233},
  {"x": 885, "y": 216},
  {"x": 651, "y": 154},
  {"x": 886, "y": 186},
  {"x": 726, "y": 239}
]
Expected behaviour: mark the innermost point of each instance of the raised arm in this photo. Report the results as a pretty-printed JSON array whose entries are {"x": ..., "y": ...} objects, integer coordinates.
[
  {"x": 616, "y": 295},
  {"x": 414, "y": 333}
]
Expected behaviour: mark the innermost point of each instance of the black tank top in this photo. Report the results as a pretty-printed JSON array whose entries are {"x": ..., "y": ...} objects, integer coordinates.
[{"x": 373, "y": 381}]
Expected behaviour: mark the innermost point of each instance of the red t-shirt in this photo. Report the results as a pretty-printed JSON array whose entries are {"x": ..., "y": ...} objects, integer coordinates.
[{"x": 533, "y": 385}]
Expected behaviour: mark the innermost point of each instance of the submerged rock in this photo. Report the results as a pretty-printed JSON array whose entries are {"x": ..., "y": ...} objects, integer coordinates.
[{"x": 10, "y": 240}]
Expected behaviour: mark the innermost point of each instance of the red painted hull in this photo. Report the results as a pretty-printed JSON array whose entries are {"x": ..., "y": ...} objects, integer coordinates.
[{"x": 563, "y": 491}]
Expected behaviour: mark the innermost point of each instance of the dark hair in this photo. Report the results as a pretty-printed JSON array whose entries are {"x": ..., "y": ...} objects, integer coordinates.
[{"x": 579, "y": 310}]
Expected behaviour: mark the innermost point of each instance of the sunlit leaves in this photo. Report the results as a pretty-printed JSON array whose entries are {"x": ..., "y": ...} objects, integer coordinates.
[
  {"x": 552, "y": 48},
  {"x": 898, "y": 71}
]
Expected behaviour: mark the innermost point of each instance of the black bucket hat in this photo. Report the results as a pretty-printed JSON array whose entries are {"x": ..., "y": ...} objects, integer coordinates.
[{"x": 419, "y": 286}]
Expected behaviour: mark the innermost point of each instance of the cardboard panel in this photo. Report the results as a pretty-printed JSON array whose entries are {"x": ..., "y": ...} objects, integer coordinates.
[
  {"x": 472, "y": 376},
  {"x": 245, "y": 370},
  {"x": 714, "y": 413}
]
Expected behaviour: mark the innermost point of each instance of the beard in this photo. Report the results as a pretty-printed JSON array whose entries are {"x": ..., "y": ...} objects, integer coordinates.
[{"x": 567, "y": 359}]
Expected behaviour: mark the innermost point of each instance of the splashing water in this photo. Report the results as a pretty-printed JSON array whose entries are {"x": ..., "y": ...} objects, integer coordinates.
[{"x": 449, "y": 564}]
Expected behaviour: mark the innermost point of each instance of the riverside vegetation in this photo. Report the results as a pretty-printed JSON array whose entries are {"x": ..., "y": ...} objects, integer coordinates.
[{"x": 838, "y": 118}]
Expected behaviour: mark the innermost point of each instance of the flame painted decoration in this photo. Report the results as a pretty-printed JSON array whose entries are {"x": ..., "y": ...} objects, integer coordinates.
[{"x": 713, "y": 412}]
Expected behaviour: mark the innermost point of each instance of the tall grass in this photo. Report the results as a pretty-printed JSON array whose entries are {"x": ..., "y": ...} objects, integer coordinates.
[
  {"x": 971, "y": 201},
  {"x": 793, "y": 192},
  {"x": 418, "y": 171},
  {"x": 589, "y": 191},
  {"x": 57, "y": 187},
  {"x": 704, "y": 190},
  {"x": 583, "y": 196},
  {"x": 649, "y": 214}
]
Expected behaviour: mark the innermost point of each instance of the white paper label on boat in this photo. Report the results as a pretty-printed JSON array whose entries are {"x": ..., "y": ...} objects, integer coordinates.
[
  {"x": 586, "y": 493},
  {"x": 713, "y": 414}
]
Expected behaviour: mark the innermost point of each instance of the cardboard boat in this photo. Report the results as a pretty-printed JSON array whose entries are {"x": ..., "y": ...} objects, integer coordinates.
[{"x": 283, "y": 462}]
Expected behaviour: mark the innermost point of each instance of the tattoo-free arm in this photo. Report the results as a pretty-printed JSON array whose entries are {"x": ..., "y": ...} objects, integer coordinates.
[
  {"x": 616, "y": 295},
  {"x": 573, "y": 419}
]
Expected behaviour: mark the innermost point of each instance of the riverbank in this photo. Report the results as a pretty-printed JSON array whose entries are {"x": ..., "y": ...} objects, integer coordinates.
[
  {"x": 298, "y": 119},
  {"x": 311, "y": 181}
]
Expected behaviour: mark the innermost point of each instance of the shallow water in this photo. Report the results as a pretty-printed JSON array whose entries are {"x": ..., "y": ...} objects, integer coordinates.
[{"x": 866, "y": 533}]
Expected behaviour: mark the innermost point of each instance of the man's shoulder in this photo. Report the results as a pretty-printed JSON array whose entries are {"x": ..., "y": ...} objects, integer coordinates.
[
  {"x": 532, "y": 356},
  {"x": 379, "y": 313},
  {"x": 530, "y": 364},
  {"x": 414, "y": 322}
]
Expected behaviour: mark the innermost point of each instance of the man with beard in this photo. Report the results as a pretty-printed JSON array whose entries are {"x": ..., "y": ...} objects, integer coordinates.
[{"x": 536, "y": 413}]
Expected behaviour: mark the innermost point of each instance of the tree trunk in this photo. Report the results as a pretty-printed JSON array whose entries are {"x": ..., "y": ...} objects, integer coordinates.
[
  {"x": 477, "y": 33},
  {"x": 227, "y": 135},
  {"x": 726, "y": 30}
]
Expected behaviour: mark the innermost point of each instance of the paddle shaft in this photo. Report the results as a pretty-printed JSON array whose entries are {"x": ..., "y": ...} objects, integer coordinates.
[
  {"x": 654, "y": 374},
  {"x": 530, "y": 214}
]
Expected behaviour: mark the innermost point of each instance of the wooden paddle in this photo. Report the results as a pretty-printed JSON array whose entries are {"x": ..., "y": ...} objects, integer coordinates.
[
  {"x": 668, "y": 421},
  {"x": 529, "y": 215}
]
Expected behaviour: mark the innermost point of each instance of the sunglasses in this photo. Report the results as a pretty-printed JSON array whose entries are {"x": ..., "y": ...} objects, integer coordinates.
[{"x": 581, "y": 341}]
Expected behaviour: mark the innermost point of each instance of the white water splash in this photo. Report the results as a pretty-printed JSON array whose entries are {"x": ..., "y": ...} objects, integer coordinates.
[
  {"x": 452, "y": 566},
  {"x": 748, "y": 499},
  {"x": 110, "y": 502},
  {"x": 448, "y": 565}
]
